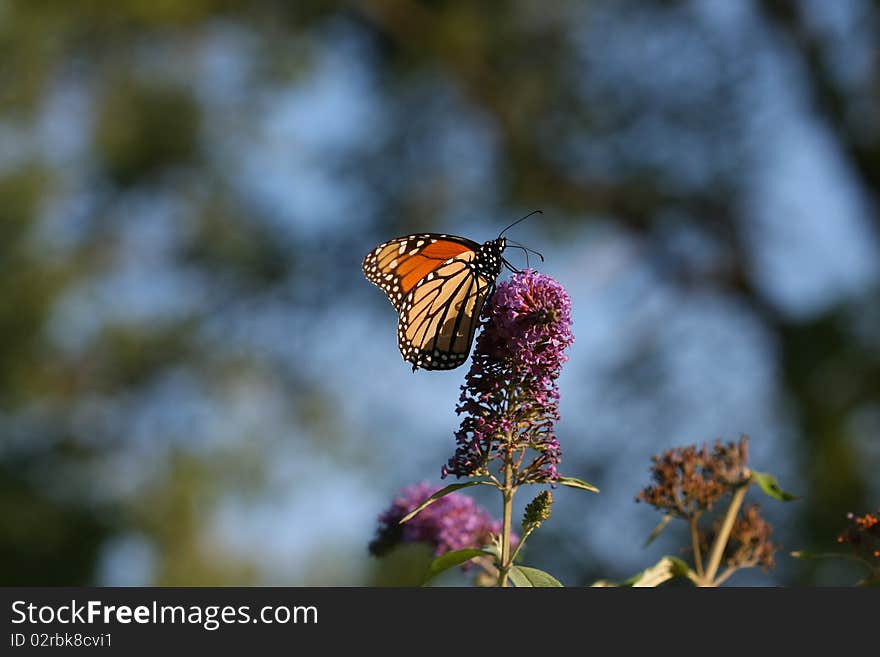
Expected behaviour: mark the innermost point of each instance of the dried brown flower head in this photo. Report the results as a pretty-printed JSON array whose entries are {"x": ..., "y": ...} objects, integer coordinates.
[
  {"x": 749, "y": 543},
  {"x": 689, "y": 480}
]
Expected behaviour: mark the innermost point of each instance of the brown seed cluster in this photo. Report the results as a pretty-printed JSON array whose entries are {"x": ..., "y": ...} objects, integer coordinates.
[
  {"x": 749, "y": 543},
  {"x": 689, "y": 480},
  {"x": 864, "y": 534}
]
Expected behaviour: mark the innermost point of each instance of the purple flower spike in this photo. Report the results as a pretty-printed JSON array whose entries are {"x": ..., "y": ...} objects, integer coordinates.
[
  {"x": 454, "y": 522},
  {"x": 510, "y": 399}
]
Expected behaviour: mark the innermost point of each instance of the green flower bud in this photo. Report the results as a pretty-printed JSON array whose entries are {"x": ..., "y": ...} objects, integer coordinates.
[{"x": 537, "y": 511}]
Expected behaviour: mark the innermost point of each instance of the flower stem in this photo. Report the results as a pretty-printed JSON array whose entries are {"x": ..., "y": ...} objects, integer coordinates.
[
  {"x": 507, "y": 495},
  {"x": 730, "y": 570},
  {"x": 723, "y": 535},
  {"x": 695, "y": 544},
  {"x": 522, "y": 541}
]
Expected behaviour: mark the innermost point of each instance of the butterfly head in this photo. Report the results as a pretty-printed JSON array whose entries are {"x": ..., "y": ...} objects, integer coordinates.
[{"x": 490, "y": 258}]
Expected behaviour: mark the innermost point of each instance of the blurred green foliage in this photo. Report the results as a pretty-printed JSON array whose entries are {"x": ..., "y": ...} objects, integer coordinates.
[
  {"x": 145, "y": 129},
  {"x": 45, "y": 541}
]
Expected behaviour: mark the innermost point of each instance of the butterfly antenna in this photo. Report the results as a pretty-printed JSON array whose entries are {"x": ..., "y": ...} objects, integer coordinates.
[
  {"x": 519, "y": 220},
  {"x": 514, "y": 245},
  {"x": 526, "y": 249},
  {"x": 510, "y": 266}
]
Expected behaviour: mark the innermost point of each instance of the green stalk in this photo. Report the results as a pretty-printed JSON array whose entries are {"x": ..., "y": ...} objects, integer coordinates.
[
  {"x": 507, "y": 496},
  {"x": 522, "y": 542},
  {"x": 723, "y": 535},
  {"x": 695, "y": 544}
]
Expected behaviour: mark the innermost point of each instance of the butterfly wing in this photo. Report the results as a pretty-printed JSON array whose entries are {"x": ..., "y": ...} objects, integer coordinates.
[
  {"x": 430, "y": 280},
  {"x": 398, "y": 265},
  {"x": 439, "y": 317}
]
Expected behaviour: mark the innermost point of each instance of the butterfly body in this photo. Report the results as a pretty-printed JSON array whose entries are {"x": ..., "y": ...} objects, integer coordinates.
[{"x": 438, "y": 284}]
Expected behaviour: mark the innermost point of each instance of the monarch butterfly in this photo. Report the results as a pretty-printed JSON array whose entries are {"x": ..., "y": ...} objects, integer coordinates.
[{"x": 438, "y": 283}]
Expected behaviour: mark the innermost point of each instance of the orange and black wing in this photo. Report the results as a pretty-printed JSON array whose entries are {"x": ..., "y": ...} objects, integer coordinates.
[
  {"x": 431, "y": 280},
  {"x": 439, "y": 317},
  {"x": 398, "y": 265}
]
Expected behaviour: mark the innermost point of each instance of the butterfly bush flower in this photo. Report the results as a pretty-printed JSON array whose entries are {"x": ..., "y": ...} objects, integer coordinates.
[
  {"x": 453, "y": 522},
  {"x": 510, "y": 398}
]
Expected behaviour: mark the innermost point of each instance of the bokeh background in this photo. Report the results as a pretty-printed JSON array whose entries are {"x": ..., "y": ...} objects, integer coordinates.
[{"x": 198, "y": 386}]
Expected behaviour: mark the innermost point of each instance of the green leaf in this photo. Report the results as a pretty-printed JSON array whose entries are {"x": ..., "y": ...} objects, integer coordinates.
[
  {"x": 659, "y": 528},
  {"x": 664, "y": 570},
  {"x": 451, "y": 488},
  {"x": 802, "y": 554},
  {"x": 523, "y": 576},
  {"x": 405, "y": 564},
  {"x": 452, "y": 559},
  {"x": 571, "y": 482},
  {"x": 873, "y": 578},
  {"x": 768, "y": 484},
  {"x": 679, "y": 566}
]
